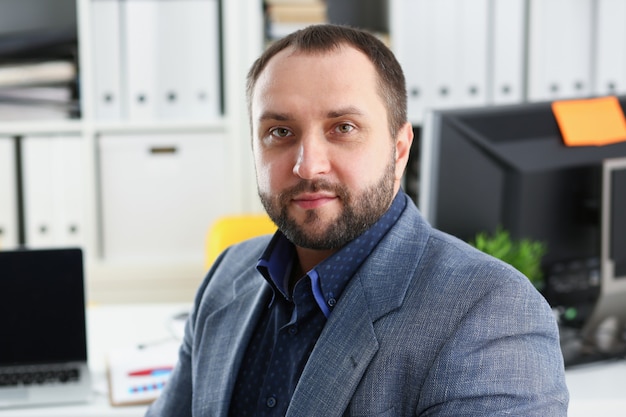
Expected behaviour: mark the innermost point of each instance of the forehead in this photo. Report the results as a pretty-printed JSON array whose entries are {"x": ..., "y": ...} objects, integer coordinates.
[{"x": 339, "y": 73}]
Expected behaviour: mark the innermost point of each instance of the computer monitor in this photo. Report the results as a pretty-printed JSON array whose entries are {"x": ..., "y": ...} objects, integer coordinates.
[
  {"x": 508, "y": 166},
  {"x": 605, "y": 327}
]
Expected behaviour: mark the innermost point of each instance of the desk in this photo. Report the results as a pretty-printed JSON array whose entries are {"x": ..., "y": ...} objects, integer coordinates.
[
  {"x": 110, "y": 327},
  {"x": 596, "y": 389}
]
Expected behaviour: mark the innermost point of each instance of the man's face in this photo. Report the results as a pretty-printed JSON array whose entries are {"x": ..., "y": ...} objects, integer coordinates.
[{"x": 325, "y": 160}]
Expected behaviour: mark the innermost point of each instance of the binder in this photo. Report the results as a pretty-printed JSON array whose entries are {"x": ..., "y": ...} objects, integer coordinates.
[
  {"x": 140, "y": 28},
  {"x": 171, "y": 57},
  {"x": 424, "y": 40},
  {"x": 189, "y": 60},
  {"x": 471, "y": 47},
  {"x": 410, "y": 43},
  {"x": 160, "y": 193},
  {"x": 560, "y": 59},
  {"x": 441, "y": 56},
  {"x": 506, "y": 61},
  {"x": 52, "y": 174},
  {"x": 443, "y": 48},
  {"x": 8, "y": 195},
  {"x": 610, "y": 48},
  {"x": 69, "y": 160},
  {"x": 107, "y": 64}
]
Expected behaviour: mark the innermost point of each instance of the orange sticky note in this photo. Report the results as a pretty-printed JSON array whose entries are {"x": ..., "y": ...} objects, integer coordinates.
[{"x": 590, "y": 122}]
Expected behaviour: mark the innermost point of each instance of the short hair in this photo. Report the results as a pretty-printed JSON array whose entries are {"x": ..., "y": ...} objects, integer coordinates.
[{"x": 326, "y": 37}]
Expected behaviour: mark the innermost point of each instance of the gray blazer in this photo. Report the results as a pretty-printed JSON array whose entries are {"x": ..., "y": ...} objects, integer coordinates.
[{"x": 428, "y": 326}]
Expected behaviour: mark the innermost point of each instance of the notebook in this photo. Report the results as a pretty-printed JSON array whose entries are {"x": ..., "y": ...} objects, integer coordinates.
[{"x": 43, "y": 346}]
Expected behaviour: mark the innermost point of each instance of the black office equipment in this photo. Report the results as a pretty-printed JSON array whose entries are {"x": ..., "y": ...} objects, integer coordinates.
[
  {"x": 508, "y": 166},
  {"x": 43, "y": 348}
]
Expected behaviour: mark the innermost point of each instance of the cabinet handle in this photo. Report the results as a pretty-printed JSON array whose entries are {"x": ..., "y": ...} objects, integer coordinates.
[{"x": 157, "y": 150}]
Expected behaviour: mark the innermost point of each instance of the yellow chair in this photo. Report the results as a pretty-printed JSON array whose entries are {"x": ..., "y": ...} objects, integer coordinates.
[{"x": 228, "y": 230}]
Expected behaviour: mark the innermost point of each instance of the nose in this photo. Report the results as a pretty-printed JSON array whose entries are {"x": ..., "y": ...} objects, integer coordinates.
[{"x": 313, "y": 157}]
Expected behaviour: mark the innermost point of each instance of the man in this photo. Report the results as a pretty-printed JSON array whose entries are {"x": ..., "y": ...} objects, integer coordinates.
[{"x": 356, "y": 306}]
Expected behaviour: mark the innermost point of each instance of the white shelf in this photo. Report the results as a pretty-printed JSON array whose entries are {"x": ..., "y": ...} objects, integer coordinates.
[
  {"x": 41, "y": 126},
  {"x": 164, "y": 278},
  {"x": 172, "y": 126}
]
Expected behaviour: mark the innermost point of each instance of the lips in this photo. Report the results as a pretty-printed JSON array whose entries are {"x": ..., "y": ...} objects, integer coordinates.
[{"x": 313, "y": 200}]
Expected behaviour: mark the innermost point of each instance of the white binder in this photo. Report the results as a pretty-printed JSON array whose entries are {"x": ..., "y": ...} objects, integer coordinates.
[
  {"x": 560, "y": 44},
  {"x": 189, "y": 60},
  {"x": 610, "y": 48},
  {"x": 409, "y": 31},
  {"x": 442, "y": 54},
  {"x": 473, "y": 50},
  {"x": 107, "y": 67},
  {"x": 171, "y": 56},
  {"x": 53, "y": 191},
  {"x": 8, "y": 195},
  {"x": 443, "y": 47},
  {"x": 507, "y": 62},
  {"x": 160, "y": 193},
  {"x": 140, "y": 49}
]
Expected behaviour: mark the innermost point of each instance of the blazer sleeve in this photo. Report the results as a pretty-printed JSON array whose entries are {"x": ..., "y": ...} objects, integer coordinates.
[
  {"x": 175, "y": 400},
  {"x": 176, "y": 397},
  {"x": 498, "y": 363}
]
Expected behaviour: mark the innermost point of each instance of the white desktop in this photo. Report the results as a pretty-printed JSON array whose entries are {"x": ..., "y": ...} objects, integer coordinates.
[
  {"x": 596, "y": 389},
  {"x": 111, "y": 327}
]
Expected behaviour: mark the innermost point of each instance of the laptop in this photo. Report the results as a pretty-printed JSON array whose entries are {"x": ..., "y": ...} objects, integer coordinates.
[{"x": 43, "y": 343}]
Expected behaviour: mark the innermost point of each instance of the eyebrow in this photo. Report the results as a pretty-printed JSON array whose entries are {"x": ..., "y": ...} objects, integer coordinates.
[
  {"x": 276, "y": 116},
  {"x": 344, "y": 111}
]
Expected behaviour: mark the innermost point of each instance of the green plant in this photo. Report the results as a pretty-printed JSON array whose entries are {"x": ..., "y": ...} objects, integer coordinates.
[{"x": 523, "y": 254}]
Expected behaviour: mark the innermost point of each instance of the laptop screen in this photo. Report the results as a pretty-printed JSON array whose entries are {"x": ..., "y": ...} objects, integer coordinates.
[{"x": 42, "y": 307}]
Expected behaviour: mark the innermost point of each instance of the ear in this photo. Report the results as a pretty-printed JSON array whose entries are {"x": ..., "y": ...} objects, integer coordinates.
[{"x": 404, "y": 139}]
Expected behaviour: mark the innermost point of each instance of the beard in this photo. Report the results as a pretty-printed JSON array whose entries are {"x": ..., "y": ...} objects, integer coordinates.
[{"x": 359, "y": 213}]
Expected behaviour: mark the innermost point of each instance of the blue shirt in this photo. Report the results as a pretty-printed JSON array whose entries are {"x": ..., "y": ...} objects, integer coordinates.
[{"x": 290, "y": 327}]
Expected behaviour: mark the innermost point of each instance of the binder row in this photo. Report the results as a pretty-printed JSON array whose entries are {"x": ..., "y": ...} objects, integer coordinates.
[
  {"x": 459, "y": 53},
  {"x": 156, "y": 59},
  {"x": 41, "y": 191}
]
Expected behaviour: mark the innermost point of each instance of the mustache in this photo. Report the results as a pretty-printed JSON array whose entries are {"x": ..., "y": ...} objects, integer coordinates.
[{"x": 312, "y": 186}]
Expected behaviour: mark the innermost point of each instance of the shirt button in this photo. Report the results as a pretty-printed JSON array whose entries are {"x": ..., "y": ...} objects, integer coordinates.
[
  {"x": 293, "y": 330},
  {"x": 331, "y": 302},
  {"x": 271, "y": 402}
]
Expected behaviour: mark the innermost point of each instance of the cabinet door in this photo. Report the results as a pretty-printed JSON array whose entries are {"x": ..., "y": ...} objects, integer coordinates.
[
  {"x": 53, "y": 179},
  {"x": 159, "y": 194},
  {"x": 8, "y": 194}
]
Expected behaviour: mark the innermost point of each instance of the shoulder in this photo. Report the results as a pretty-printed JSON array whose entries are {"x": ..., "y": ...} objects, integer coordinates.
[
  {"x": 243, "y": 254},
  {"x": 234, "y": 268},
  {"x": 441, "y": 269}
]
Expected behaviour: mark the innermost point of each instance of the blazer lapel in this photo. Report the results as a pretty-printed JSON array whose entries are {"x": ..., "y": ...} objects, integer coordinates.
[
  {"x": 338, "y": 361},
  {"x": 222, "y": 336}
]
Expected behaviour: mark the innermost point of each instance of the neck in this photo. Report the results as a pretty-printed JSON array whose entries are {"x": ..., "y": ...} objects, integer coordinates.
[{"x": 308, "y": 258}]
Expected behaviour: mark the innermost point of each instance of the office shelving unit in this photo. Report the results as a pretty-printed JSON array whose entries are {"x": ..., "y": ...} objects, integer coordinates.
[{"x": 223, "y": 142}]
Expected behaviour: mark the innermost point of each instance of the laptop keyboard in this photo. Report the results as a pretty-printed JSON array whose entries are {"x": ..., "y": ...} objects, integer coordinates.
[{"x": 26, "y": 378}]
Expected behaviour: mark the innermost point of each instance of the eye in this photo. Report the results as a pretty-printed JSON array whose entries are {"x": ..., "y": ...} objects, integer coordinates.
[
  {"x": 344, "y": 128},
  {"x": 280, "y": 132}
]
